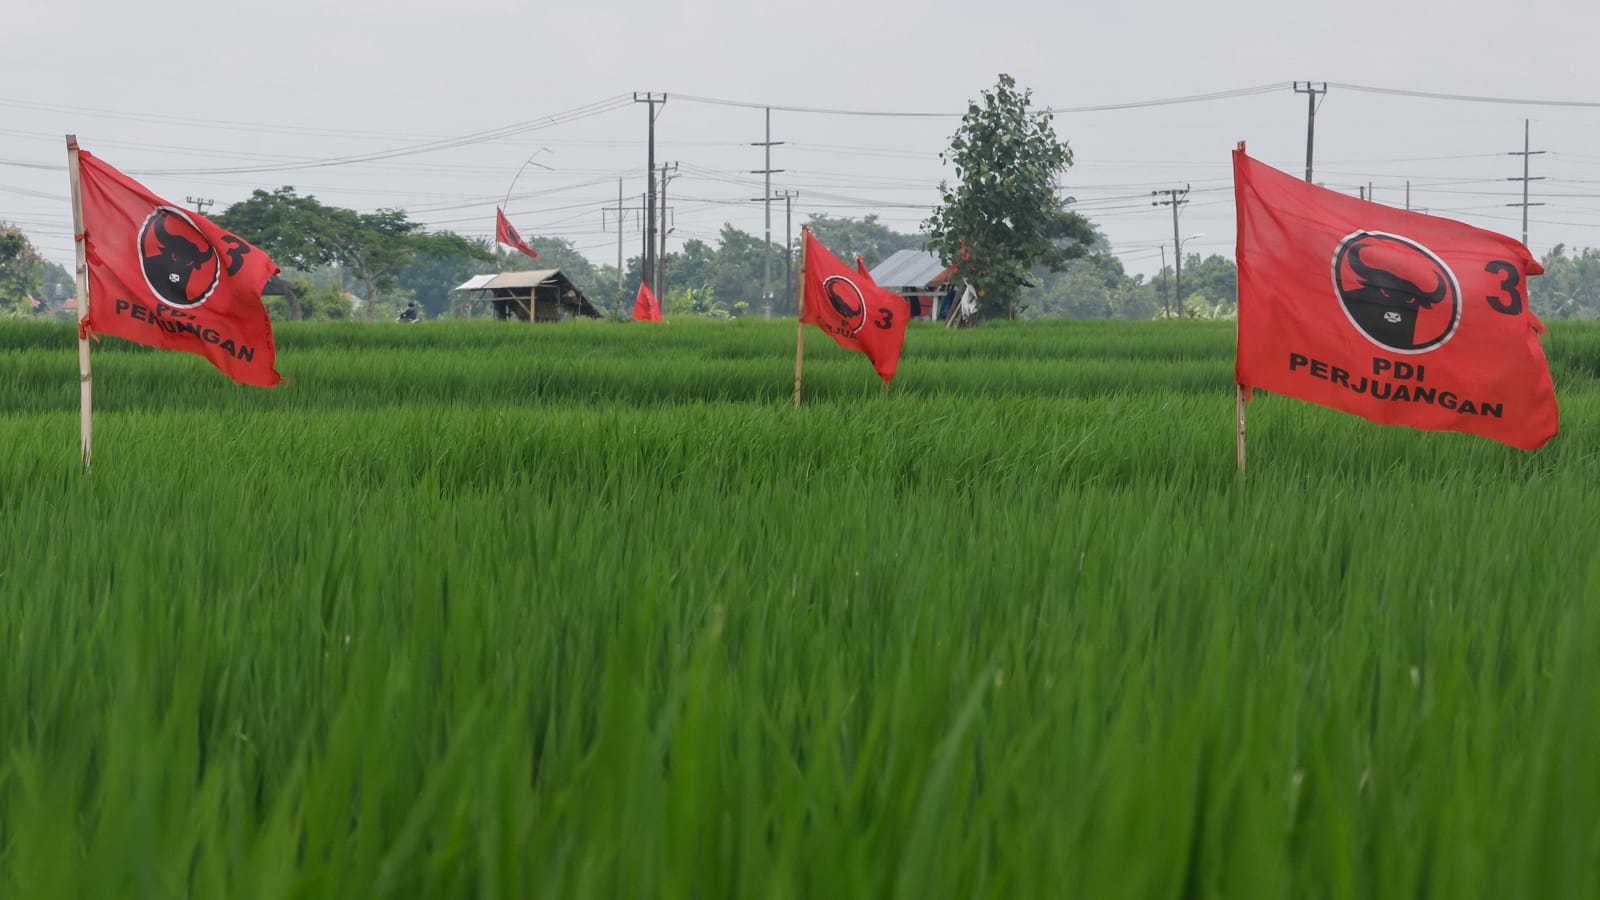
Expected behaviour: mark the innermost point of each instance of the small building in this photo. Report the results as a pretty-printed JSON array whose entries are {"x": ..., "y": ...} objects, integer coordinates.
[
  {"x": 918, "y": 275},
  {"x": 541, "y": 295}
]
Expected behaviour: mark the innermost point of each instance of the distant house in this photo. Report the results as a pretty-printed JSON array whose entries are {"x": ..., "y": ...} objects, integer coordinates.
[
  {"x": 541, "y": 295},
  {"x": 918, "y": 275}
]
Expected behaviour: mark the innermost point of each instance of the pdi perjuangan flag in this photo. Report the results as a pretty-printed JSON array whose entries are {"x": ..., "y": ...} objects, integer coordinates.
[
  {"x": 853, "y": 310},
  {"x": 1398, "y": 317},
  {"x": 167, "y": 277},
  {"x": 645, "y": 307},
  {"x": 505, "y": 234}
]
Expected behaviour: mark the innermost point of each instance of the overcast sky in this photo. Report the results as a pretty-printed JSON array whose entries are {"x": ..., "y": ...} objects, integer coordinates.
[{"x": 178, "y": 94}]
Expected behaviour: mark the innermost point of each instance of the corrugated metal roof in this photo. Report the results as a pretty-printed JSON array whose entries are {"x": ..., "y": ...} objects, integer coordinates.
[
  {"x": 508, "y": 280},
  {"x": 908, "y": 268}
]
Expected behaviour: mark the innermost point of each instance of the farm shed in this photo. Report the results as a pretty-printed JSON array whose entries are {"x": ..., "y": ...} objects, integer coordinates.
[
  {"x": 918, "y": 276},
  {"x": 541, "y": 295}
]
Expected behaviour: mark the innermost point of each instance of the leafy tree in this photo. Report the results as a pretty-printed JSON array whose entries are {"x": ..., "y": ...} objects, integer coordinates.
[
  {"x": 732, "y": 272},
  {"x": 1211, "y": 286},
  {"x": 1005, "y": 216},
  {"x": 59, "y": 284},
  {"x": 21, "y": 271},
  {"x": 319, "y": 298},
  {"x": 1094, "y": 287},
  {"x": 302, "y": 233},
  {"x": 847, "y": 237},
  {"x": 1569, "y": 287}
]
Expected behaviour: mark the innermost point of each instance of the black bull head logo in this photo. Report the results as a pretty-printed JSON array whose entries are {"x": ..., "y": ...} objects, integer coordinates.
[
  {"x": 842, "y": 306},
  {"x": 175, "y": 259},
  {"x": 1385, "y": 288},
  {"x": 1386, "y": 304}
]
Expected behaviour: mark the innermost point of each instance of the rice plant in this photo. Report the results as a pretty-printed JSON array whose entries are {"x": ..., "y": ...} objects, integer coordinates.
[{"x": 591, "y": 610}]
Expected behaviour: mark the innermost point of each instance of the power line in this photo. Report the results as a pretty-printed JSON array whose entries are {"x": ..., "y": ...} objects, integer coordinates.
[
  {"x": 1466, "y": 98},
  {"x": 561, "y": 118},
  {"x": 1048, "y": 110}
]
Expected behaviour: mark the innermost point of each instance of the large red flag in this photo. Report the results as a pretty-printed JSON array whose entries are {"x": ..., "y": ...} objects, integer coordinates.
[
  {"x": 1398, "y": 317},
  {"x": 853, "y": 310},
  {"x": 167, "y": 277},
  {"x": 645, "y": 307},
  {"x": 505, "y": 234}
]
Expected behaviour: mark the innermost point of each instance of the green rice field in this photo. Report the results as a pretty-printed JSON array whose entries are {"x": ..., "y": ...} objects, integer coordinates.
[{"x": 476, "y": 609}]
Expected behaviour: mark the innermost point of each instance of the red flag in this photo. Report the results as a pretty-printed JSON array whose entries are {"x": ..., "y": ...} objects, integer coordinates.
[
  {"x": 1398, "y": 317},
  {"x": 645, "y": 307},
  {"x": 853, "y": 310},
  {"x": 505, "y": 234},
  {"x": 167, "y": 277}
]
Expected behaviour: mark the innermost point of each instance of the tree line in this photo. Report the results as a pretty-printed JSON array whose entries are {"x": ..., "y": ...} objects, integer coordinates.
[
  {"x": 1004, "y": 224},
  {"x": 717, "y": 279}
]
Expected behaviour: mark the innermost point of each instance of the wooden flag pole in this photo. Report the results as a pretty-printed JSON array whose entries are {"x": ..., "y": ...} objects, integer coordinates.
[
  {"x": 800, "y": 314},
  {"x": 85, "y": 379},
  {"x": 1239, "y": 409},
  {"x": 1240, "y": 392}
]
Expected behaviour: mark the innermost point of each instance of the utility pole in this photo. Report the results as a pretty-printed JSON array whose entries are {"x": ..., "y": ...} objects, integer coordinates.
[
  {"x": 199, "y": 203},
  {"x": 1311, "y": 91},
  {"x": 788, "y": 244},
  {"x": 1166, "y": 308},
  {"x": 650, "y": 190},
  {"x": 1175, "y": 199},
  {"x": 622, "y": 213},
  {"x": 661, "y": 258},
  {"x": 766, "y": 254},
  {"x": 621, "y": 291},
  {"x": 1525, "y": 153},
  {"x": 788, "y": 240}
]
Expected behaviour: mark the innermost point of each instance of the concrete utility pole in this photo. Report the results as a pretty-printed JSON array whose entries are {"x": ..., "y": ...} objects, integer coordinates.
[
  {"x": 1525, "y": 153},
  {"x": 766, "y": 253},
  {"x": 1166, "y": 308},
  {"x": 1311, "y": 91},
  {"x": 199, "y": 203},
  {"x": 621, "y": 218},
  {"x": 621, "y": 292},
  {"x": 1175, "y": 199},
  {"x": 650, "y": 190},
  {"x": 788, "y": 243},
  {"x": 659, "y": 290}
]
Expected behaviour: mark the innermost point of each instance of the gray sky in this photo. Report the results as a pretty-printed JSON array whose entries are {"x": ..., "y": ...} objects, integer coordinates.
[{"x": 171, "y": 92}]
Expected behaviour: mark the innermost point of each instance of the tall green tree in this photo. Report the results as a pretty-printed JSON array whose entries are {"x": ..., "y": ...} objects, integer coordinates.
[
  {"x": 873, "y": 240},
  {"x": 21, "y": 271},
  {"x": 1005, "y": 216},
  {"x": 1210, "y": 286},
  {"x": 1569, "y": 287},
  {"x": 302, "y": 233}
]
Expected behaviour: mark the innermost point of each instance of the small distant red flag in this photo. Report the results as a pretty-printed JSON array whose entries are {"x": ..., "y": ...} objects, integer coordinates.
[
  {"x": 645, "y": 307},
  {"x": 505, "y": 234},
  {"x": 1398, "y": 317},
  {"x": 852, "y": 309},
  {"x": 167, "y": 277},
  {"x": 34, "y": 301}
]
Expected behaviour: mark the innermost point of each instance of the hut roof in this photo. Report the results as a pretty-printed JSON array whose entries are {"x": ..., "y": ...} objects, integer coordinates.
[{"x": 910, "y": 269}]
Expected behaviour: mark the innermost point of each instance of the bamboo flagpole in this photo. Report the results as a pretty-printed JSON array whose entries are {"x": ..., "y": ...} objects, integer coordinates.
[
  {"x": 1239, "y": 401},
  {"x": 85, "y": 379},
  {"x": 1241, "y": 393},
  {"x": 800, "y": 314}
]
